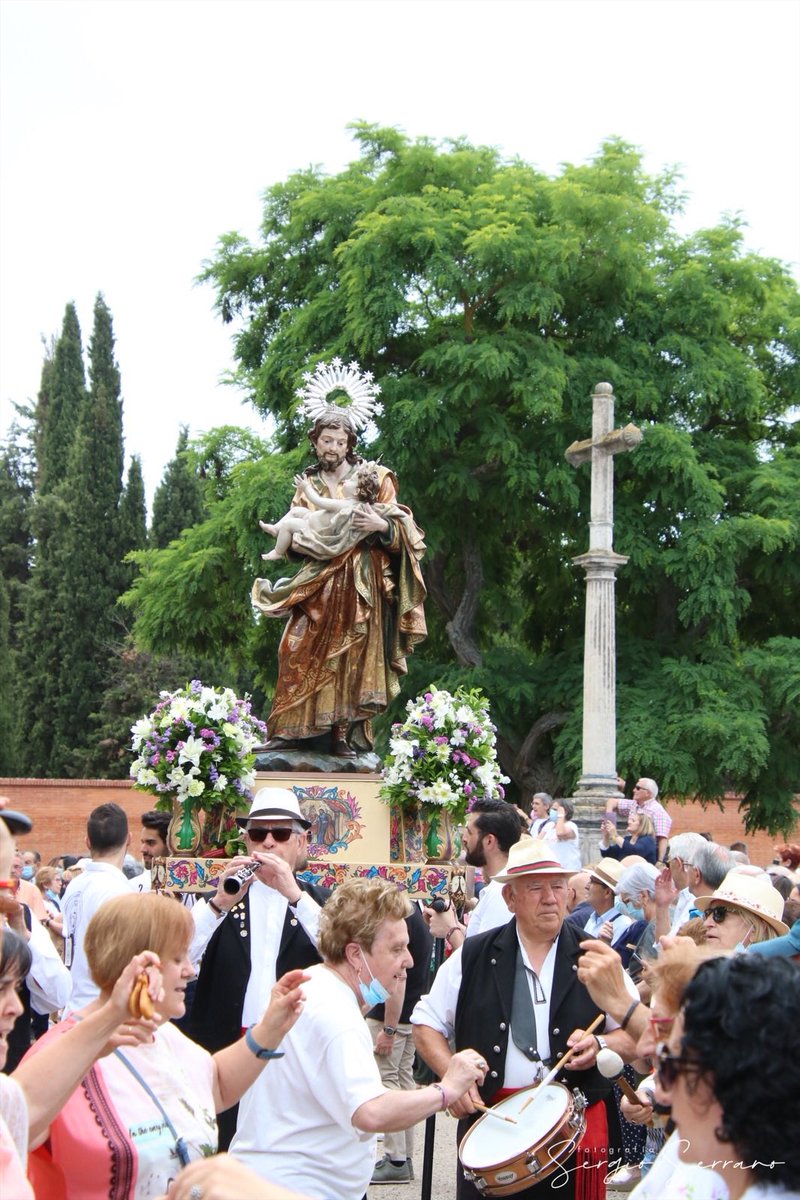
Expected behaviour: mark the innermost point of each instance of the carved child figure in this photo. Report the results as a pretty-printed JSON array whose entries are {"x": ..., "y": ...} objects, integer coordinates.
[{"x": 327, "y": 530}]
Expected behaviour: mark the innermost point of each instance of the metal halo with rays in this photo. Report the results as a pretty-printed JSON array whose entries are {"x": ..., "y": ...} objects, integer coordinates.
[{"x": 359, "y": 386}]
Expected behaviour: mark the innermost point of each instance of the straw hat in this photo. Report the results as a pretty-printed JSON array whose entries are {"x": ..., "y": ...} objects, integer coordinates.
[
  {"x": 749, "y": 888},
  {"x": 274, "y": 804},
  {"x": 530, "y": 856},
  {"x": 608, "y": 872}
]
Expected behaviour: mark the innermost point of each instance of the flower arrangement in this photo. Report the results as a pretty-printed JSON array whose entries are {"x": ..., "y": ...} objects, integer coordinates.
[
  {"x": 443, "y": 755},
  {"x": 197, "y": 748}
]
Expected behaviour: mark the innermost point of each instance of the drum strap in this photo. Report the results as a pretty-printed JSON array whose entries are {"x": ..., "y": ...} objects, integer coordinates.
[{"x": 523, "y": 1021}]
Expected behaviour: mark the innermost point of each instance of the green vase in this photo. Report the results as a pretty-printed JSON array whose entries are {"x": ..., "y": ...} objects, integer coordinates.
[{"x": 184, "y": 833}]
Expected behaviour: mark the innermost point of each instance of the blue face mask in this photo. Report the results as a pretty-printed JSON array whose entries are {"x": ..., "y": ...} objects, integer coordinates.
[
  {"x": 553, "y": 814},
  {"x": 374, "y": 992},
  {"x": 27, "y": 872},
  {"x": 631, "y": 909}
]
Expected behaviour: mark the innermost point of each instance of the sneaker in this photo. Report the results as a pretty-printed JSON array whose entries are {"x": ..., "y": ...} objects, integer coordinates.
[{"x": 386, "y": 1172}]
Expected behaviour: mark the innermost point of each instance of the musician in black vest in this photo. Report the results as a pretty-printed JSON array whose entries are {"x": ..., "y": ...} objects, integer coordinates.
[
  {"x": 271, "y": 929},
  {"x": 513, "y": 994}
]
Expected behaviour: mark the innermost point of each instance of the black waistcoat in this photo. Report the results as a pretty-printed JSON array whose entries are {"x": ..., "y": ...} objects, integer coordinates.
[
  {"x": 216, "y": 1019},
  {"x": 483, "y": 1012}
]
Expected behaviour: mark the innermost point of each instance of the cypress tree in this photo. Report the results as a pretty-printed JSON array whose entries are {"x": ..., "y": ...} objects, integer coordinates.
[
  {"x": 60, "y": 404},
  {"x": 133, "y": 514},
  {"x": 92, "y": 578},
  {"x": 178, "y": 501}
]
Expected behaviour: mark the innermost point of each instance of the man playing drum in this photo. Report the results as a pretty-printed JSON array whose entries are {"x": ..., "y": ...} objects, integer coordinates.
[{"x": 513, "y": 994}]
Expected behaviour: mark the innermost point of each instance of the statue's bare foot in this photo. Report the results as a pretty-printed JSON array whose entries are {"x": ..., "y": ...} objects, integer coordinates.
[
  {"x": 272, "y": 530},
  {"x": 273, "y": 556}
]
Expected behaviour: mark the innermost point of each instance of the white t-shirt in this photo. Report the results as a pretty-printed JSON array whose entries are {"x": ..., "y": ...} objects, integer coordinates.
[
  {"x": 670, "y": 1176},
  {"x": 490, "y": 911},
  {"x": 566, "y": 850},
  {"x": 98, "y": 882},
  {"x": 295, "y": 1123}
]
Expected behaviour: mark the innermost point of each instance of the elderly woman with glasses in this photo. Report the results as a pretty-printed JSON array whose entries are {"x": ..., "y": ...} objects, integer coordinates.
[
  {"x": 745, "y": 909},
  {"x": 734, "y": 1101}
]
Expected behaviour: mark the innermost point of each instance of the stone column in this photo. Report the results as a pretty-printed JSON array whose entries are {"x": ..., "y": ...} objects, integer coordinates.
[{"x": 598, "y": 779}]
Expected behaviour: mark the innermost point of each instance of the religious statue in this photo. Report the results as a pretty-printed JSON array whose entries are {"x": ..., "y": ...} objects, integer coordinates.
[{"x": 355, "y": 608}]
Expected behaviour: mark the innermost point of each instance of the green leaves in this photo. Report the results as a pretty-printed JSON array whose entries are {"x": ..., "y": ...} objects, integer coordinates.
[{"x": 489, "y": 299}]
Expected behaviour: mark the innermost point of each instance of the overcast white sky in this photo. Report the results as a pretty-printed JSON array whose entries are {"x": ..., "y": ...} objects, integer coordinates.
[{"x": 135, "y": 132}]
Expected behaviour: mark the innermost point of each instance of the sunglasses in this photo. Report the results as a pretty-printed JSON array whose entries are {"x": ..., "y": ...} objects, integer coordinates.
[
  {"x": 719, "y": 913},
  {"x": 260, "y": 835},
  {"x": 670, "y": 1066}
]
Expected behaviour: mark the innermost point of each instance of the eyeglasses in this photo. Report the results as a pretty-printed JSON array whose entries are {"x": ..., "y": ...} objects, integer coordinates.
[
  {"x": 670, "y": 1066},
  {"x": 720, "y": 913},
  {"x": 661, "y": 1026},
  {"x": 259, "y": 835}
]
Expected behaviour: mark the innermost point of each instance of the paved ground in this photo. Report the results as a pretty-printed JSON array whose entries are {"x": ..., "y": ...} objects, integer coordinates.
[{"x": 444, "y": 1168}]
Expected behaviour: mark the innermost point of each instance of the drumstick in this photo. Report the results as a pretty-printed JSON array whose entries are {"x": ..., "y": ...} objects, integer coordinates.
[
  {"x": 551, "y": 1074},
  {"x": 485, "y": 1108}
]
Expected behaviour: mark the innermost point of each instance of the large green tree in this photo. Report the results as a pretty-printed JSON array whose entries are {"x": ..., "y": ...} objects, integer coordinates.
[{"x": 488, "y": 298}]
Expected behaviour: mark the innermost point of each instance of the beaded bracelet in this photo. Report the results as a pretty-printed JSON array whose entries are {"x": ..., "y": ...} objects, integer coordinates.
[{"x": 445, "y": 1102}]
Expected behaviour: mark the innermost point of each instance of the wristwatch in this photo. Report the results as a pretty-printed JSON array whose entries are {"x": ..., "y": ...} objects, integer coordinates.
[
  {"x": 390, "y": 1029},
  {"x": 602, "y": 1044}
]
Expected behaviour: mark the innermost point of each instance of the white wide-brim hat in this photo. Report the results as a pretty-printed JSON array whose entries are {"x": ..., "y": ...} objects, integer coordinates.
[
  {"x": 274, "y": 804},
  {"x": 531, "y": 856},
  {"x": 749, "y": 888}
]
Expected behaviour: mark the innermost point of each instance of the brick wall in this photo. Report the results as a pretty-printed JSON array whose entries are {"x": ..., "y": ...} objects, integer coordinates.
[{"x": 59, "y": 809}]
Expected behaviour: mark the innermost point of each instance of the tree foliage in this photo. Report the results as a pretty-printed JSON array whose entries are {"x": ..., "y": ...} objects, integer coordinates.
[
  {"x": 178, "y": 500},
  {"x": 488, "y": 299}
]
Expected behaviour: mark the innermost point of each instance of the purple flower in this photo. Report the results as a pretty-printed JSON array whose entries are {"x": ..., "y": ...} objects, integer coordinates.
[{"x": 155, "y": 759}]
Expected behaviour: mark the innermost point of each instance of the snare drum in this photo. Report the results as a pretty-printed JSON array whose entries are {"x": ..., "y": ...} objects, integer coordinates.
[{"x": 502, "y": 1159}]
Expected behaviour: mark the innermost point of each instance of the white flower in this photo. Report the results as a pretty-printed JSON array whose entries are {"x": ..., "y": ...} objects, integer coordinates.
[
  {"x": 147, "y": 778},
  {"x": 192, "y": 749},
  {"x": 196, "y": 787},
  {"x": 403, "y": 747},
  {"x": 179, "y": 710},
  {"x": 442, "y": 752},
  {"x": 458, "y": 737},
  {"x": 141, "y": 730}
]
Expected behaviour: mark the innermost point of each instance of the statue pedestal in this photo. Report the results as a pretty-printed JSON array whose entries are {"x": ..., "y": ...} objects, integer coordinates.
[{"x": 350, "y": 837}]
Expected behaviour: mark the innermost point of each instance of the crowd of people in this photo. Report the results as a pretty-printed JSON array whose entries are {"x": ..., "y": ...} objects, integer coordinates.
[{"x": 253, "y": 1043}]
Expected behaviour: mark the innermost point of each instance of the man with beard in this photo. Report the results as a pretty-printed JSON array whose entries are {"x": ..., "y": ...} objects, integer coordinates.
[
  {"x": 493, "y": 827},
  {"x": 351, "y": 619}
]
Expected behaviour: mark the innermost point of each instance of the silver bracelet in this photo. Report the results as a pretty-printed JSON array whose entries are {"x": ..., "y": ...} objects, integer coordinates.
[{"x": 445, "y": 1102}]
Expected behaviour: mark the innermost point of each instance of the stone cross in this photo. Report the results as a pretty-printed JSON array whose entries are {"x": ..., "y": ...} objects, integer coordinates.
[{"x": 599, "y": 769}]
